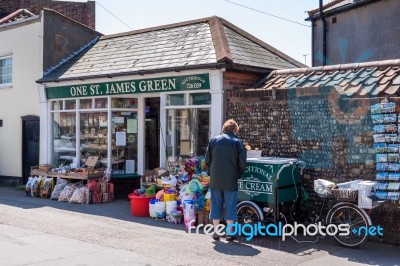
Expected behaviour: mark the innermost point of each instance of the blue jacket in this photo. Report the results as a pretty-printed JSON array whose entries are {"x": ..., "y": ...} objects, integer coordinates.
[{"x": 225, "y": 161}]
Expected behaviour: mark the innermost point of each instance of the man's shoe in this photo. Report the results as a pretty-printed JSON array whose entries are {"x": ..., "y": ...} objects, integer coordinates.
[
  {"x": 215, "y": 237},
  {"x": 230, "y": 238}
]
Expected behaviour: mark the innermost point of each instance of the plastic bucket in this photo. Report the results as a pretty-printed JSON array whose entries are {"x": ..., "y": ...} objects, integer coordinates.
[{"x": 139, "y": 205}]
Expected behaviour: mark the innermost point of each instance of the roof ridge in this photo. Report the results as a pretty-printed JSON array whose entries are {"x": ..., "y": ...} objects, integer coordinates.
[
  {"x": 219, "y": 39},
  {"x": 156, "y": 28},
  {"x": 349, "y": 66},
  {"x": 15, "y": 14},
  {"x": 260, "y": 42}
]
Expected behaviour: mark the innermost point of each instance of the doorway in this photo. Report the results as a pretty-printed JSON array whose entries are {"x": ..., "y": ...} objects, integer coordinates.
[
  {"x": 30, "y": 144},
  {"x": 152, "y": 131}
]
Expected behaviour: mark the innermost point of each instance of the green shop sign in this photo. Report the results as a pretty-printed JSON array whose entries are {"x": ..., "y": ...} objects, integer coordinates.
[{"x": 165, "y": 84}]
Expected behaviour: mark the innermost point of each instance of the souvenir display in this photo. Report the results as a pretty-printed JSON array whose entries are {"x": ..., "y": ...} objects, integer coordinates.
[
  {"x": 180, "y": 191},
  {"x": 386, "y": 146}
]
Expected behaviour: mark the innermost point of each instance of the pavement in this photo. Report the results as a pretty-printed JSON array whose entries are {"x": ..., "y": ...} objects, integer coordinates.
[{"x": 35, "y": 231}]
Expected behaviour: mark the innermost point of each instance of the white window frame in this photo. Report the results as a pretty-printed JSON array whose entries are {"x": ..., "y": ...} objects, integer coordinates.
[
  {"x": 79, "y": 111},
  {"x": 7, "y": 85},
  {"x": 163, "y": 117}
]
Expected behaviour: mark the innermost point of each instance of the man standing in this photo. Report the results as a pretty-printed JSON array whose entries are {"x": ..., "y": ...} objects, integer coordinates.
[{"x": 225, "y": 161}]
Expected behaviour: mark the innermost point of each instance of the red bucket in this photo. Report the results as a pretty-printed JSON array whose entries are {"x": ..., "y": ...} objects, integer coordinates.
[{"x": 139, "y": 205}]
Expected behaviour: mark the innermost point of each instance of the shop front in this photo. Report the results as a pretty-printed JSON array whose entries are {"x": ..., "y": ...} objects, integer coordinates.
[{"x": 131, "y": 125}]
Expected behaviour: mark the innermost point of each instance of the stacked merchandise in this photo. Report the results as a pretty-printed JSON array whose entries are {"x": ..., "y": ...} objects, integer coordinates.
[
  {"x": 182, "y": 192},
  {"x": 387, "y": 148},
  {"x": 93, "y": 192}
]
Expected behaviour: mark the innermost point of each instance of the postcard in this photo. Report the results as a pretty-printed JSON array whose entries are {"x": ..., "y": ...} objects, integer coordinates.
[
  {"x": 381, "y": 195},
  {"x": 379, "y": 128},
  {"x": 381, "y": 158},
  {"x": 389, "y": 118},
  {"x": 394, "y": 176},
  {"x": 379, "y": 138},
  {"x": 381, "y": 175},
  {"x": 393, "y": 186},
  {"x": 391, "y": 128},
  {"x": 382, "y": 166},
  {"x": 393, "y": 157},
  {"x": 382, "y": 147},
  {"x": 390, "y": 137},
  {"x": 391, "y": 147},
  {"x": 393, "y": 195},
  {"x": 377, "y": 119}
]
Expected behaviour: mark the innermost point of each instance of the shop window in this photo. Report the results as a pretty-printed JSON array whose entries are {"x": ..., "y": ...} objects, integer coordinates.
[
  {"x": 85, "y": 104},
  {"x": 124, "y": 142},
  {"x": 5, "y": 71},
  {"x": 64, "y": 138},
  {"x": 70, "y": 104},
  {"x": 124, "y": 103},
  {"x": 57, "y": 105},
  {"x": 93, "y": 133},
  {"x": 94, "y": 139},
  {"x": 188, "y": 132},
  {"x": 176, "y": 99},
  {"x": 101, "y": 103},
  {"x": 200, "y": 98}
]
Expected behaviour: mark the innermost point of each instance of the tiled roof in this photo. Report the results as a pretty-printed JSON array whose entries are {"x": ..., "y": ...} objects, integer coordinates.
[
  {"x": 196, "y": 43},
  {"x": 370, "y": 78},
  {"x": 17, "y": 15}
]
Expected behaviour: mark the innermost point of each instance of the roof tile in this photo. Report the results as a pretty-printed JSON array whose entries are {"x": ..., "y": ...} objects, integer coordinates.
[
  {"x": 373, "y": 78},
  {"x": 175, "y": 45}
]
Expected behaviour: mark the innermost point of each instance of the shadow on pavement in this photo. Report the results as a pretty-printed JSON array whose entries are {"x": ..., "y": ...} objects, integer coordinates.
[
  {"x": 235, "y": 248},
  {"x": 372, "y": 253}
]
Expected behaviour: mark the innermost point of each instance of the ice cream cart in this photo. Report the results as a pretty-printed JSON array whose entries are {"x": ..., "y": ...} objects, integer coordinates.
[{"x": 267, "y": 183}]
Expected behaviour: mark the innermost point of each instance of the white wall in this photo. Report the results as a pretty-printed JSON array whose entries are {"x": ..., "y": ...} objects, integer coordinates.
[{"x": 25, "y": 44}]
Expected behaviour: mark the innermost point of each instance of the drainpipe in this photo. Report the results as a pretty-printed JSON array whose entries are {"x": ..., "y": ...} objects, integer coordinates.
[
  {"x": 312, "y": 43},
  {"x": 321, "y": 14}
]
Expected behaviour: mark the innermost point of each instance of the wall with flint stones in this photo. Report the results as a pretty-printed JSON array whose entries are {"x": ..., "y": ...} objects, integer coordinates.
[{"x": 331, "y": 133}]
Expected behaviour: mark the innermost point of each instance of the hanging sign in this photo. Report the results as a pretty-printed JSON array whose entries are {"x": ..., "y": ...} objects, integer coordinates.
[{"x": 165, "y": 84}]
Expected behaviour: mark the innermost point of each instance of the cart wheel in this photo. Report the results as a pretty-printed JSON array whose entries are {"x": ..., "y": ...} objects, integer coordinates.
[
  {"x": 248, "y": 212},
  {"x": 355, "y": 217}
]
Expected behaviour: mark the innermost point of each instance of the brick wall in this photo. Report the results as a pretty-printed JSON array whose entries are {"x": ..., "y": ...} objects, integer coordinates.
[
  {"x": 236, "y": 80},
  {"x": 332, "y": 134},
  {"x": 83, "y": 12}
]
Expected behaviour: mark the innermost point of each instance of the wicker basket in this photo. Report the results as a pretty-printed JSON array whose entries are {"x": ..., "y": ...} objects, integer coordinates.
[{"x": 345, "y": 194}]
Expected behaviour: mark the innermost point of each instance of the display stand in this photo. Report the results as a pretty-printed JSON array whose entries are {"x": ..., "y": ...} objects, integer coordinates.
[{"x": 387, "y": 147}]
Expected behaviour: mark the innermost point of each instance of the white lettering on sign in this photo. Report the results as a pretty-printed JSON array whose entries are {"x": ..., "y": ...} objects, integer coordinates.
[
  {"x": 262, "y": 171},
  {"x": 157, "y": 85},
  {"x": 123, "y": 87},
  {"x": 255, "y": 186},
  {"x": 94, "y": 89},
  {"x": 79, "y": 90}
]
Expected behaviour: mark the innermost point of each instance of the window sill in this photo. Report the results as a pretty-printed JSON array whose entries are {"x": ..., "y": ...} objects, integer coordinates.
[{"x": 6, "y": 86}]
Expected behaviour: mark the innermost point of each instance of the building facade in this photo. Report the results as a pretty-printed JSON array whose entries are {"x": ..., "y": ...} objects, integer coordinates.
[
  {"x": 30, "y": 47},
  {"x": 82, "y": 12},
  {"x": 150, "y": 97},
  {"x": 322, "y": 116},
  {"x": 355, "y": 31}
]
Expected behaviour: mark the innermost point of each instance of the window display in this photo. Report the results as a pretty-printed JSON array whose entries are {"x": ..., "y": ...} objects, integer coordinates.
[
  {"x": 94, "y": 141},
  {"x": 124, "y": 139},
  {"x": 64, "y": 138},
  {"x": 93, "y": 121},
  {"x": 187, "y": 132}
]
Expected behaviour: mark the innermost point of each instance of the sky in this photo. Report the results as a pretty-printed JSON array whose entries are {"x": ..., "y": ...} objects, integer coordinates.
[{"x": 288, "y": 37}]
